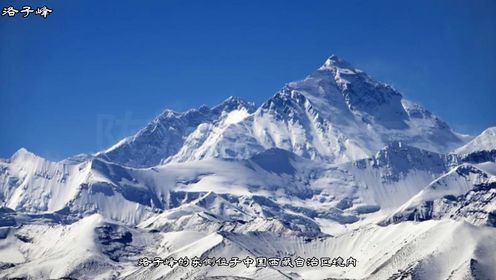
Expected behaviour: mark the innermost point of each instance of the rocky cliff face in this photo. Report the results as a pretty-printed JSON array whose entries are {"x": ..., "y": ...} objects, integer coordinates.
[{"x": 336, "y": 163}]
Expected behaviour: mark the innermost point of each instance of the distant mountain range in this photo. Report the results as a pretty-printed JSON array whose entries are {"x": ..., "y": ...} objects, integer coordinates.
[{"x": 334, "y": 165}]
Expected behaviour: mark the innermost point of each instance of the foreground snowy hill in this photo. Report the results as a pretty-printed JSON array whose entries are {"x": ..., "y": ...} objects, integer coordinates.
[
  {"x": 335, "y": 165},
  {"x": 94, "y": 248}
]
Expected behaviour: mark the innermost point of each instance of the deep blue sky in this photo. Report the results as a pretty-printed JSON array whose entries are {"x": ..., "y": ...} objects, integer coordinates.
[{"x": 94, "y": 71}]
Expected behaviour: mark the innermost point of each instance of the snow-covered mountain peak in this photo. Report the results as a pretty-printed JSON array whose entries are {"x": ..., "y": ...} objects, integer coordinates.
[
  {"x": 164, "y": 136},
  {"x": 311, "y": 171},
  {"x": 480, "y": 149},
  {"x": 336, "y": 114},
  {"x": 340, "y": 88},
  {"x": 486, "y": 141},
  {"x": 465, "y": 193},
  {"x": 234, "y": 103},
  {"x": 22, "y": 154},
  {"x": 205, "y": 112},
  {"x": 336, "y": 63}
]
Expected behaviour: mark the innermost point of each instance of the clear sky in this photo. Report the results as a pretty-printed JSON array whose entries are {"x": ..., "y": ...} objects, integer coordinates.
[{"x": 95, "y": 71}]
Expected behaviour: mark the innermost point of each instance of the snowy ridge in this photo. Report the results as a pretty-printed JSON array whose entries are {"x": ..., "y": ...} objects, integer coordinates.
[
  {"x": 405, "y": 250},
  {"x": 486, "y": 141},
  {"x": 336, "y": 114},
  {"x": 336, "y": 164},
  {"x": 465, "y": 192},
  {"x": 164, "y": 136},
  {"x": 480, "y": 149}
]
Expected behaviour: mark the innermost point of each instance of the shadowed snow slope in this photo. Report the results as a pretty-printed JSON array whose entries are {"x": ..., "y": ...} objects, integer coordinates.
[
  {"x": 481, "y": 149},
  {"x": 336, "y": 114},
  {"x": 334, "y": 165}
]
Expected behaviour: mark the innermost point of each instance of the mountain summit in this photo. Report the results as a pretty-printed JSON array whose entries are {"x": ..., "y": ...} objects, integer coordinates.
[
  {"x": 165, "y": 135},
  {"x": 335, "y": 62},
  {"x": 337, "y": 164},
  {"x": 336, "y": 114}
]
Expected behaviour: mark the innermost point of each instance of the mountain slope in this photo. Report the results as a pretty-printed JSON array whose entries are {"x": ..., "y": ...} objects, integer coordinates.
[
  {"x": 96, "y": 248},
  {"x": 480, "y": 149},
  {"x": 336, "y": 114},
  {"x": 335, "y": 165},
  {"x": 165, "y": 135},
  {"x": 465, "y": 193}
]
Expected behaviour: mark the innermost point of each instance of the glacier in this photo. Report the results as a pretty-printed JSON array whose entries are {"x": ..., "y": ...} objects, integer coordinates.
[{"x": 336, "y": 164}]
